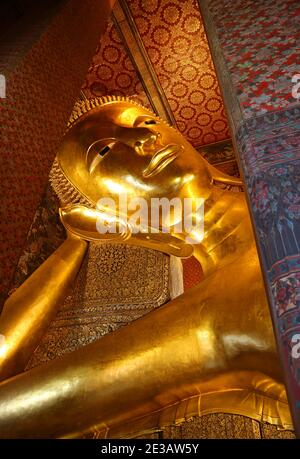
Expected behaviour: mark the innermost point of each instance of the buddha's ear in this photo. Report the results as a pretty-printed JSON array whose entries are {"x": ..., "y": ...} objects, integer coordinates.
[
  {"x": 220, "y": 177},
  {"x": 93, "y": 225}
]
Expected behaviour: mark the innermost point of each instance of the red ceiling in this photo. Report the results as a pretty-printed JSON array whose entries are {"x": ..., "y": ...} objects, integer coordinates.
[
  {"x": 111, "y": 71},
  {"x": 174, "y": 38}
]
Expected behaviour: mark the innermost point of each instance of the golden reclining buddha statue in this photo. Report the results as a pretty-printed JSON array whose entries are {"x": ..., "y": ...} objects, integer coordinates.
[{"x": 210, "y": 350}]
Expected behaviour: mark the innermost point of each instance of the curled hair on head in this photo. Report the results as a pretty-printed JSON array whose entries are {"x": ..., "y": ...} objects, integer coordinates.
[{"x": 64, "y": 189}]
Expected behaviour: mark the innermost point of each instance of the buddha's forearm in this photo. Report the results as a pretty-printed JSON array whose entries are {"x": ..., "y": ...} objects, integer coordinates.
[
  {"x": 154, "y": 362},
  {"x": 121, "y": 374},
  {"x": 29, "y": 310}
]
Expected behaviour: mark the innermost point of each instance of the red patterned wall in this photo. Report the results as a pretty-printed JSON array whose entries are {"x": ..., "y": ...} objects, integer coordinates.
[
  {"x": 112, "y": 72},
  {"x": 41, "y": 92},
  {"x": 174, "y": 37}
]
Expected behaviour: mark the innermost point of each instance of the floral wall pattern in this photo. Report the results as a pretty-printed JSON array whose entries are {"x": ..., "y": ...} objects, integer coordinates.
[
  {"x": 173, "y": 35},
  {"x": 112, "y": 72},
  {"x": 41, "y": 91}
]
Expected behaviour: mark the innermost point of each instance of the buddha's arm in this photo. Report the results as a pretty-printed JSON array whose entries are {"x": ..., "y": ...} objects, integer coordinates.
[
  {"x": 154, "y": 362},
  {"x": 29, "y": 310}
]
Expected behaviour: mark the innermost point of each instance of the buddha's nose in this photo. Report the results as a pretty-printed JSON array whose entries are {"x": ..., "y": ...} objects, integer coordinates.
[{"x": 146, "y": 142}]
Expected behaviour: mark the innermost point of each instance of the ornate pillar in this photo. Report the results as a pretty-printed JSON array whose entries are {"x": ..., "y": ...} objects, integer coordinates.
[
  {"x": 44, "y": 62},
  {"x": 254, "y": 45}
]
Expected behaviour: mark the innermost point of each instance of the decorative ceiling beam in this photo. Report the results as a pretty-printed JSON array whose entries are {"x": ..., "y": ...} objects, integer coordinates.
[{"x": 137, "y": 53}]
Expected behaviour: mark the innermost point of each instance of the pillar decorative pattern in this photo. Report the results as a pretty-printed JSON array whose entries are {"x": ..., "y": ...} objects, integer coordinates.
[{"x": 255, "y": 50}]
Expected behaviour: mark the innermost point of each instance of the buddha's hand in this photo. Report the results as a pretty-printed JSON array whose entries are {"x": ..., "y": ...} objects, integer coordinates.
[
  {"x": 94, "y": 225},
  {"x": 99, "y": 226}
]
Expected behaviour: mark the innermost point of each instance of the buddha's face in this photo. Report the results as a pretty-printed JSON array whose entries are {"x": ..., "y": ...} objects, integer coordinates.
[{"x": 121, "y": 148}]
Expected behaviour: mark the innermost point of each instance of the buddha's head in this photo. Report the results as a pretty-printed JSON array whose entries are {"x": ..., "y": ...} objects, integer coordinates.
[
  {"x": 114, "y": 146},
  {"x": 117, "y": 146}
]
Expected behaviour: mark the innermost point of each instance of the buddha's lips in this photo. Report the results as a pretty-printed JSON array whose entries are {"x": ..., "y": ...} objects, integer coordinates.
[{"x": 161, "y": 159}]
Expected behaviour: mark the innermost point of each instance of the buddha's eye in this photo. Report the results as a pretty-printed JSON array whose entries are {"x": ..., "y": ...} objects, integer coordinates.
[
  {"x": 104, "y": 150},
  {"x": 96, "y": 152},
  {"x": 143, "y": 120}
]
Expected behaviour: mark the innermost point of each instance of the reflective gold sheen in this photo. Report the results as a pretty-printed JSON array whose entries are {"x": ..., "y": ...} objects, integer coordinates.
[{"x": 210, "y": 350}]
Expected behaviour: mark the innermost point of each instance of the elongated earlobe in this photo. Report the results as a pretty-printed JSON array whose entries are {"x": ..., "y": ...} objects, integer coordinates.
[
  {"x": 163, "y": 242},
  {"x": 219, "y": 178}
]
